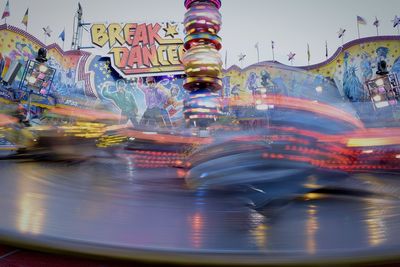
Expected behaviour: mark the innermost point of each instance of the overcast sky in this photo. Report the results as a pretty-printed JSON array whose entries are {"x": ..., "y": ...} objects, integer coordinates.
[{"x": 290, "y": 23}]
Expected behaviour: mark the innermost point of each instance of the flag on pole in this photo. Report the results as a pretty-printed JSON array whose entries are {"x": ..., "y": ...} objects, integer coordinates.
[
  {"x": 308, "y": 53},
  {"x": 341, "y": 32},
  {"x": 291, "y": 56},
  {"x": 396, "y": 21},
  {"x": 6, "y": 12},
  {"x": 241, "y": 58},
  {"x": 47, "y": 31},
  {"x": 62, "y": 36},
  {"x": 361, "y": 20},
  {"x": 326, "y": 49},
  {"x": 376, "y": 22},
  {"x": 25, "y": 18}
]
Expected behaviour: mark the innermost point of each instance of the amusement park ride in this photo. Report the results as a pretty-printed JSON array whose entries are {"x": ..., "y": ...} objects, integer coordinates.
[{"x": 231, "y": 162}]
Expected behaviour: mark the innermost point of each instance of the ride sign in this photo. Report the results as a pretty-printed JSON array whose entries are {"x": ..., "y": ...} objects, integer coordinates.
[{"x": 141, "y": 49}]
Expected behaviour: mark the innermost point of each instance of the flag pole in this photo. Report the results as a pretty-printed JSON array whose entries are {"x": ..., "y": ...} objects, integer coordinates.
[
  {"x": 64, "y": 39},
  {"x": 358, "y": 29},
  {"x": 376, "y": 23},
  {"x": 326, "y": 49},
  {"x": 273, "y": 50},
  {"x": 258, "y": 54},
  {"x": 273, "y": 54},
  {"x": 27, "y": 19}
]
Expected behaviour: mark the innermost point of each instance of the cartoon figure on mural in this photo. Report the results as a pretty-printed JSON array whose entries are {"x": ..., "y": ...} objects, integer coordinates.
[
  {"x": 64, "y": 81},
  {"x": 124, "y": 100},
  {"x": 366, "y": 67},
  {"x": 174, "y": 105},
  {"x": 266, "y": 80},
  {"x": 235, "y": 91},
  {"x": 352, "y": 86},
  {"x": 23, "y": 52},
  {"x": 156, "y": 101},
  {"x": 251, "y": 83},
  {"x": 381, "y": 53}
]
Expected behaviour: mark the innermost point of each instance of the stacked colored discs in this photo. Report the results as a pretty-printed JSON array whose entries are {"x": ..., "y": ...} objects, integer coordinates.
[
  {"x": 216, "y": 3},
  {"x": 203, "y": 68},
  {"x": 201, "y": 107},
  {"x": 203, "y": 64},
  {"x": 202, "y": 18},
  {"x": 193, "y": 40}
]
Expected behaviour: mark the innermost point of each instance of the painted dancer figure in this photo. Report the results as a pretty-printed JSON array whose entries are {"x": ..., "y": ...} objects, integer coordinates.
[
  {"x": 124, "y": 100},
  {"x": 156, "y": 100}
]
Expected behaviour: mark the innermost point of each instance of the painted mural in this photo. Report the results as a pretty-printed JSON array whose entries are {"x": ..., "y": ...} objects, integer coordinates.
[
  {"x": 357, "y": 62},
  {"x": 85, "y": 79},
  {"x": 17, "y": 45}
]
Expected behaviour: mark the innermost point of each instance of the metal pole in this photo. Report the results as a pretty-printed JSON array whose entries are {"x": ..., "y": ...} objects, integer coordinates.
[
  {"x": 273, "y": 53},
  {"x": 28, "y": 113}
]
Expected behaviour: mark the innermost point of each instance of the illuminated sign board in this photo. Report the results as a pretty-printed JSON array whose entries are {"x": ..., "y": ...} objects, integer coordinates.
[
  {"x": 383, "y": 91},
  {"x": 146, "y": 49},
  {"x": 38, "y": 78}
]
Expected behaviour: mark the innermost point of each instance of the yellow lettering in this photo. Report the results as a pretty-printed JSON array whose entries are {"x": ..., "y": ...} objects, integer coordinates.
[
  {"x": 162, "y": 53},
  {"x": 120, "y": 55},
  {"x": 173, "y": 57},
  {"x": 114, "y": 34},
  {"x": 99, "y": 34}
]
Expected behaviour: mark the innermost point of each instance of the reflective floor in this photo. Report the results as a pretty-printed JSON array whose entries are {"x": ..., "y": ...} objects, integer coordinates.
[{"x": 106, "y": 206}]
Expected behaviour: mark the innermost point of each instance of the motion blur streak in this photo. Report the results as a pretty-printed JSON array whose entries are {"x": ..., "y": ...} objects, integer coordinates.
[
  {"x": 164, "y": 138},
  {"x": 300, "y": 104},
  {"x": 6, "y": 120}
]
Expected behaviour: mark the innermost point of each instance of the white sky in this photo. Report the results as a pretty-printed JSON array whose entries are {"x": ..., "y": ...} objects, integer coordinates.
[{"x": 290, "y": 23}]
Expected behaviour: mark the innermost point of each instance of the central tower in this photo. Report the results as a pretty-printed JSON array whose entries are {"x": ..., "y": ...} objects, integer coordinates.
[{"x": 202, "y": 61}]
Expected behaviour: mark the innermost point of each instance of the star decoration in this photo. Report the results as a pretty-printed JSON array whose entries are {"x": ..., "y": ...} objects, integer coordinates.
[{"x": 171, "y": 30}]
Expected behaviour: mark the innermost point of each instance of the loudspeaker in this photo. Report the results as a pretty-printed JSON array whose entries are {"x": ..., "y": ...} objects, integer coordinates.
[
  {"x": 12, "y": 72},
  {"x": 41, "y": 55}
]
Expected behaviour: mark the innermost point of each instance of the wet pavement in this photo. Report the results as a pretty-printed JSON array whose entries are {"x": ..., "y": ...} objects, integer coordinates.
[{"x": 106, "y": 206}]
